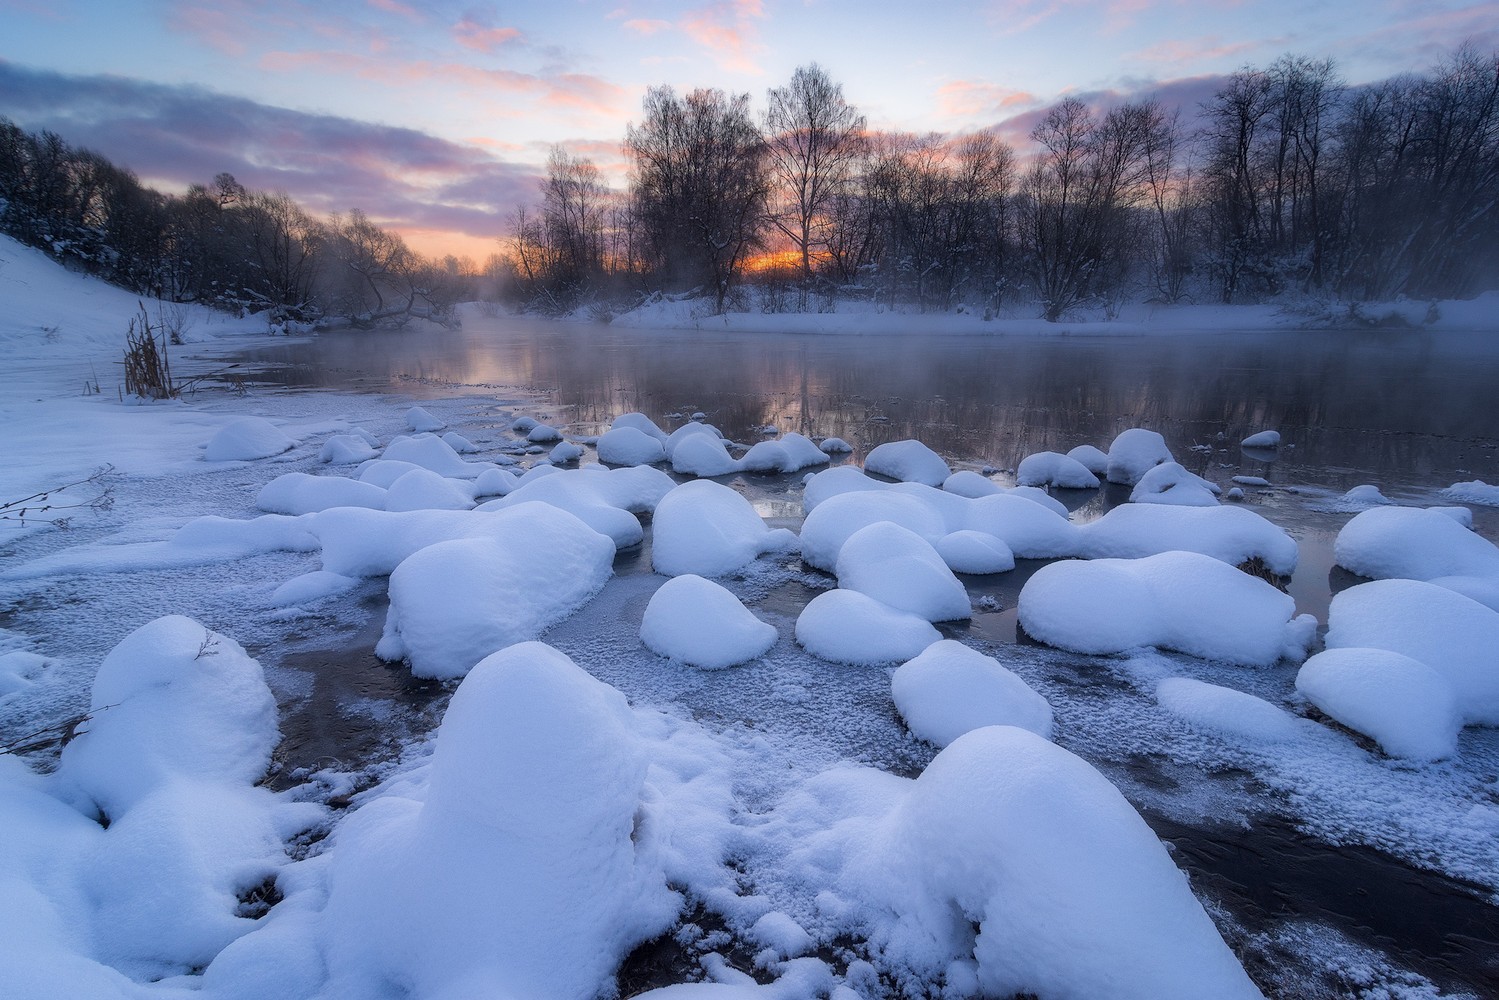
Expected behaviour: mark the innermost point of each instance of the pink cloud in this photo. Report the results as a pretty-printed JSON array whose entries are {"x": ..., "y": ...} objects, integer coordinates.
[
  {"x": 393, "y": 7},
  {"x": 482, "y": 38},
  {"x": 964, "y": 98},
  {"x": 645, "y": 26},
  {"x": 1186, "y": 52},
  {"x": 728, "y": 30}
]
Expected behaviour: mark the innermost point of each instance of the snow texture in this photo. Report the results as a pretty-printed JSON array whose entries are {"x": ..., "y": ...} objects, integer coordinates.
[{"x": 1477, "y": 491}]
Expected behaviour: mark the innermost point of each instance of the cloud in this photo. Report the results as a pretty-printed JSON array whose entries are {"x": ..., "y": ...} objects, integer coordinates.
[
  {"x": 970, "y": 98},
  {"x": 645, "y": 26},
  {"x": 180, "y": 135},
  {"x": 471, "y": 33},
  {"x": 728, "y": 30}
]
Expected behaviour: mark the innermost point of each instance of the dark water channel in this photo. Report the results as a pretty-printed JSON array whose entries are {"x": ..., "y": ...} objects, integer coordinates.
[{"x": 1409, "y": 412}]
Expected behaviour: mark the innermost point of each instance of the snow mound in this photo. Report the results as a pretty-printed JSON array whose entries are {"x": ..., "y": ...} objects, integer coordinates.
[
  {"x": 173, "y": 700},
  {"x": 1169, "y": 483},
  {"x": 846, "y": 626},
  {"x": 1477, "y": 491},
  {"x": 607, "y": 500},
  {"x": 629, "y": 446},
  {"x": 1091, "y": 458},
  {"x": 246, "y": 439},
  {"x": 1133, "y": 453},
  {"x": 455, "y": 602},
  {"x": 1413, "y": 543},
  {"x": 423, "y": 489},
  {"x": 791, "y": 453},
  {"x": 832, "y": 522},
  {"x": 975, "y": 552},
  {"x": 422, "y": 422},
  {"x": 310, "y": 587},
  {"x": 704, "y": 625},
  {"x": 640, "y": 422},
  {"x": 1452, "y": 634},
  {"x": 1264, "y": 439},
  {"x": 431, "y": 452},
  {"x": 529, "y": 884},
  {"x": 949, "y": 689},
  {"x": 1013, "y": 865},
  {"x": 298, "y": 493},
  {"x": 967, "y": 483},
  {"x": 1224, "y": 710},
  {"x": 1230, "y": 534},
  {"x": 543, "y": 434},
  {"x": 1175, "y": 600},
  {"x": 459, "y": 443},
  {"x": 836, "y": 446},
  {"x": 1047, "y": 468},
  {"x": 702, "y": 455},
  {"x": 707, "y": 529},
  {"x": 1405, "y": 706},
  {"x": 346, "y": 449},
  {"x": 908, "y": 462},
  {"x": 899, "y": 568},
  {"x": 565, "y": 453}
]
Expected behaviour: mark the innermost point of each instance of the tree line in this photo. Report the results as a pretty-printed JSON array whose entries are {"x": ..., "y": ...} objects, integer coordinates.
[
  {"x": 219, "y": 244},
  {"x": 1284, "y": 180}
]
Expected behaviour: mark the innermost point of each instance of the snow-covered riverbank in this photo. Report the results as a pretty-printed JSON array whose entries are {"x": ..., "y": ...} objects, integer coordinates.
[{"x": 788, "y": 819}]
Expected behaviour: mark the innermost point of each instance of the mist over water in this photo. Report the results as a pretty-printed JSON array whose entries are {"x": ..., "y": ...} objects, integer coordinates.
[{"x": 1393, "y": 408}]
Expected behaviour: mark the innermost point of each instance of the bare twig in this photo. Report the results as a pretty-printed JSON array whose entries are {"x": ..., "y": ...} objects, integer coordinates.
[{"x": 35, "y": 506}]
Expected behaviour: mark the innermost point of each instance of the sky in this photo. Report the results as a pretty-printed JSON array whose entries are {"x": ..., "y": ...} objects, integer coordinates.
[{"x": 435, "y": 118}]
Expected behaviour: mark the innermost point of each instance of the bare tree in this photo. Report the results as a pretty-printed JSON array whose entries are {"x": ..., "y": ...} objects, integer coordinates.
[
  {"x": 698, "y": 185},
  {"x": 813, "y": 139}
]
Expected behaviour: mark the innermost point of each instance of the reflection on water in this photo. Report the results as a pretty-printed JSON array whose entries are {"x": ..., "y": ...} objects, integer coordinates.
[{"x": 1405, "y": 408}]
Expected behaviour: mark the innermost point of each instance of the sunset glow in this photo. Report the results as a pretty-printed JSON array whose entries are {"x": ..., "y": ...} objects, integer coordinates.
[{"x": 436, "y": 118}]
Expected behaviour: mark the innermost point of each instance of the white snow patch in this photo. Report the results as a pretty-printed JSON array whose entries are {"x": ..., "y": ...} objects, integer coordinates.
[
  {"x": 949, "y": 689},
  {"x": 704, "y": 625}
]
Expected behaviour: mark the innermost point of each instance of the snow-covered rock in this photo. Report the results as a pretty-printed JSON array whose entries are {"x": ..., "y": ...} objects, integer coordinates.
[
  {"x": 1135, "y": 452},
  {"x": 629, "y": 446},
  {"x": 846, "y": 626},
  {"x": 1452, "y": 634},
  {"x": 565, "y": 453},
  {"x": 1475, "y": 491},
  {"x": 453, "y": 603},
  {"x": 1264, "y": 439},
  {"x": 640, "y": 422},
  {"x": 432, "y": 452},
  {"x": 1414, "y": 544},
  {"x": 459, "y": 443},
  {"x": 908, "y": 462},
  {"x": 518, "y": 875},
  {"x": 949, "y": 689},
  {"x": 898, "y": 567},
  {"x": 790, "y": 453},
  {"x": 707, "y": 529},
  {"x": 1175, "y": 600},
  {"x": 702, "y": 624},
  {"x": 967, "y": 483},
  {"x": 299, "y": 493},
  {"x": 1169, "y": 483},
  {"x": 346, "y": 449},
  {"x": 702, "y": 455},
  {"x": 246, "y": 439},
  {"x": 423, "y": 489},
  {"x": 173, "y": 700},
  {"x": 607, "y": 500},
  {"x": 1047, "y": 468},
  {"x": 422, "y": 422},
  {"x": 1091, "y": 458},
  {"x": 1402, "y": 704},
  {"x": 836, "y": 446},
  {"x": 1231, "y": 534},
  {"x": 1225, "y": 711},
  {"x": 975, "y": 552}
]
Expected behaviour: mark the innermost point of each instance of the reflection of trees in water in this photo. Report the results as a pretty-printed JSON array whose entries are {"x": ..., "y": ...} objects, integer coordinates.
[{"x": 1371, "y": 403}]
